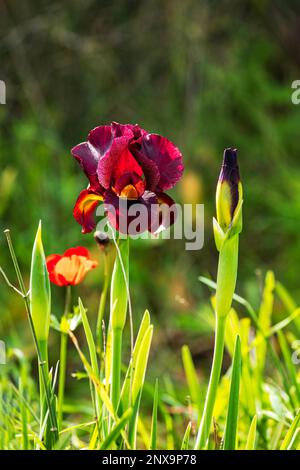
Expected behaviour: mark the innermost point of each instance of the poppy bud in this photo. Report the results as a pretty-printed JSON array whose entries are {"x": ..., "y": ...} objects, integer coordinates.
[
  {"x": 229, "y": 190},
  {"x": 102, "y": 239}
]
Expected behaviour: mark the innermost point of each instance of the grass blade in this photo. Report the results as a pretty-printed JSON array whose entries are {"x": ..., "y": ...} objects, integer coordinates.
[
  {"x": 250, "y": 445},
  {"x": 232, "y": 415},
  {"x": 186, "y": 438},
  {"x": 292, "y": 433},
  {"x": 89, "y": 338},
  {"x": 125, "y": 393},
  {"x": 116, "y": 430},
  {"x": 138, "y": 382},
  {"x": 288, "y": 362},
  {"x": 191, "y": 377},
  {"x": 154, "y": 418}
]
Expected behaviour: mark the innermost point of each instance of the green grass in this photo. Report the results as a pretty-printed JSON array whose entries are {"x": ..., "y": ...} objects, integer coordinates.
[{"x": 257, "y": 399}]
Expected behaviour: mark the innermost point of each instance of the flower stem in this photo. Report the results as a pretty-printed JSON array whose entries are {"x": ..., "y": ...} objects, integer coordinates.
[
  {"x": 44, "y": 367},
  {"x": 226, "y": 281},
  {"x": 102, "y": 303},
  {"x": 63, "y": 363},
  {"x": 43, "y": 374},
  {"x": 67, "y": 300},
  {"x": 118, "y": 311},
  {"x": 213, "y": 384},
  {"x": 116, "y": 366},
  {"x": 62, "y": 377}
]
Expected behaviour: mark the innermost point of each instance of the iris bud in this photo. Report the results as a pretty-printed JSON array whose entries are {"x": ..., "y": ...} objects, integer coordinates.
[
  {"x": 118, "y": 293},
  {"x": 102, "y": 239},
  {"x": 40, "y": 295},
  {"x": 229, "y": 193}
]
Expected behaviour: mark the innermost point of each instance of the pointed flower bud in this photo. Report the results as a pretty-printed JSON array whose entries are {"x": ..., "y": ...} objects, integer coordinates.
[
  {"x": 119, "y": 289},
  {"x": 40, "y": 295},
  {"x": 229, "y": 190},
  {"x": 103, "y": 241}
]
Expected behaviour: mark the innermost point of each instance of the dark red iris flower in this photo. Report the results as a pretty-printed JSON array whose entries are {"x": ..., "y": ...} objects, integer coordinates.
[{"x": 125, "y": 165}]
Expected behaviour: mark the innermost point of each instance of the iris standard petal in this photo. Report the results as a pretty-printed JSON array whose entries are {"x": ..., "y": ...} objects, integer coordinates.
[{"x": 167, "y": 158}]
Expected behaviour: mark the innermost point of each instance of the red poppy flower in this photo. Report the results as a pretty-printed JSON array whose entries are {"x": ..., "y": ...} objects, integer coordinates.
[
  {"x": 70, "y": 268},
  {"x": 125, "y": 165}
]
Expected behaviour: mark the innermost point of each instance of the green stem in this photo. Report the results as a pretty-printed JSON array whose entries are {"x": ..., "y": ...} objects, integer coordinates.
[
  {"x": 62, "y": 377},
  {"x": 44, "y": 369},
  {"x": 102, "y": 303},
  {"x": 63, "y": 362},
  {"x": 205, "y": 424},
  {"x": 44, "y": 376},
  {"x": 116, "y": 366},
  {"x": 118, "y": 309},
  {"x": 226, "y": 282},
  {"x": 67, "y": 300},
  {"x": 43, "y": 345}
]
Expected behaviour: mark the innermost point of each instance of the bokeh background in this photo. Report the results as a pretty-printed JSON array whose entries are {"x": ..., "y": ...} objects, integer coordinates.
[{"x": 207, "y": 75}]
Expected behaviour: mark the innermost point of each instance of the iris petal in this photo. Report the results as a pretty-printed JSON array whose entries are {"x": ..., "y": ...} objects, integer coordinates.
[
  {"x": 150, "y": 169},
  {"x": 167, "y": 158},
  {"x": 122, "y": 212},
  {"x": 84, "y": 209},
  {"x": 101, "y": 138},
  {"x": 117, "y": 160},
  {"x": 87, "y": 156},
  {"x": 167, "y": 211}
]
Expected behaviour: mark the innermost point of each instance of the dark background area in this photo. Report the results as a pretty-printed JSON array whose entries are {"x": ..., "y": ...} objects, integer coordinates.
[{"x": 205, "y": 74}]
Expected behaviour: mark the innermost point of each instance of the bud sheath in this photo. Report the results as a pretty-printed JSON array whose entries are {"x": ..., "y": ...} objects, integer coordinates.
[
  {"x": 40, "y": 295},
  {"x": 229, "y": 189}
]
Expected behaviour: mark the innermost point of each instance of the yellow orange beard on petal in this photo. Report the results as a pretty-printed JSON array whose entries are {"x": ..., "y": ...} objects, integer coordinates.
[{"x": 129, "y": 192}]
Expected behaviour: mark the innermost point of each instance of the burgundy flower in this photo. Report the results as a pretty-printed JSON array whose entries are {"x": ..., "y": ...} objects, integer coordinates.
[{"x": 125, "y": 165}]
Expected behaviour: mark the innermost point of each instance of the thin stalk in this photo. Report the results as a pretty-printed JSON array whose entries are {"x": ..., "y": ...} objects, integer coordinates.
[
  {"x": 41, "y": 363},
  {"x": 44, "y": 430},
  {"x": 116, "y": 366},
  {"x": 44, "y": 354},
  {"x": 63, "y": 363},
  {"x": 62, "y": 377},
  {"x": 67, "y": 300},
  {"x": 126, "y": 277},
  {"x": 213, "y": 383},
  {"x": 226, "y": 282},
  {"x": 102, "y": 303},
  {"x": 24, "y": 411}
]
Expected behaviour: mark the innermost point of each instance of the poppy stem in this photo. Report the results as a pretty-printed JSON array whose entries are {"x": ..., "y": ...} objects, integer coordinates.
[
  {"x": 67, "y": 300},
  {"x": 63, "y": 362}
]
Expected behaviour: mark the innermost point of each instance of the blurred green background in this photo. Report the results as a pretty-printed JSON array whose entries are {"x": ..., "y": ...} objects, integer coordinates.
[{"x": 207, "y": 75}]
